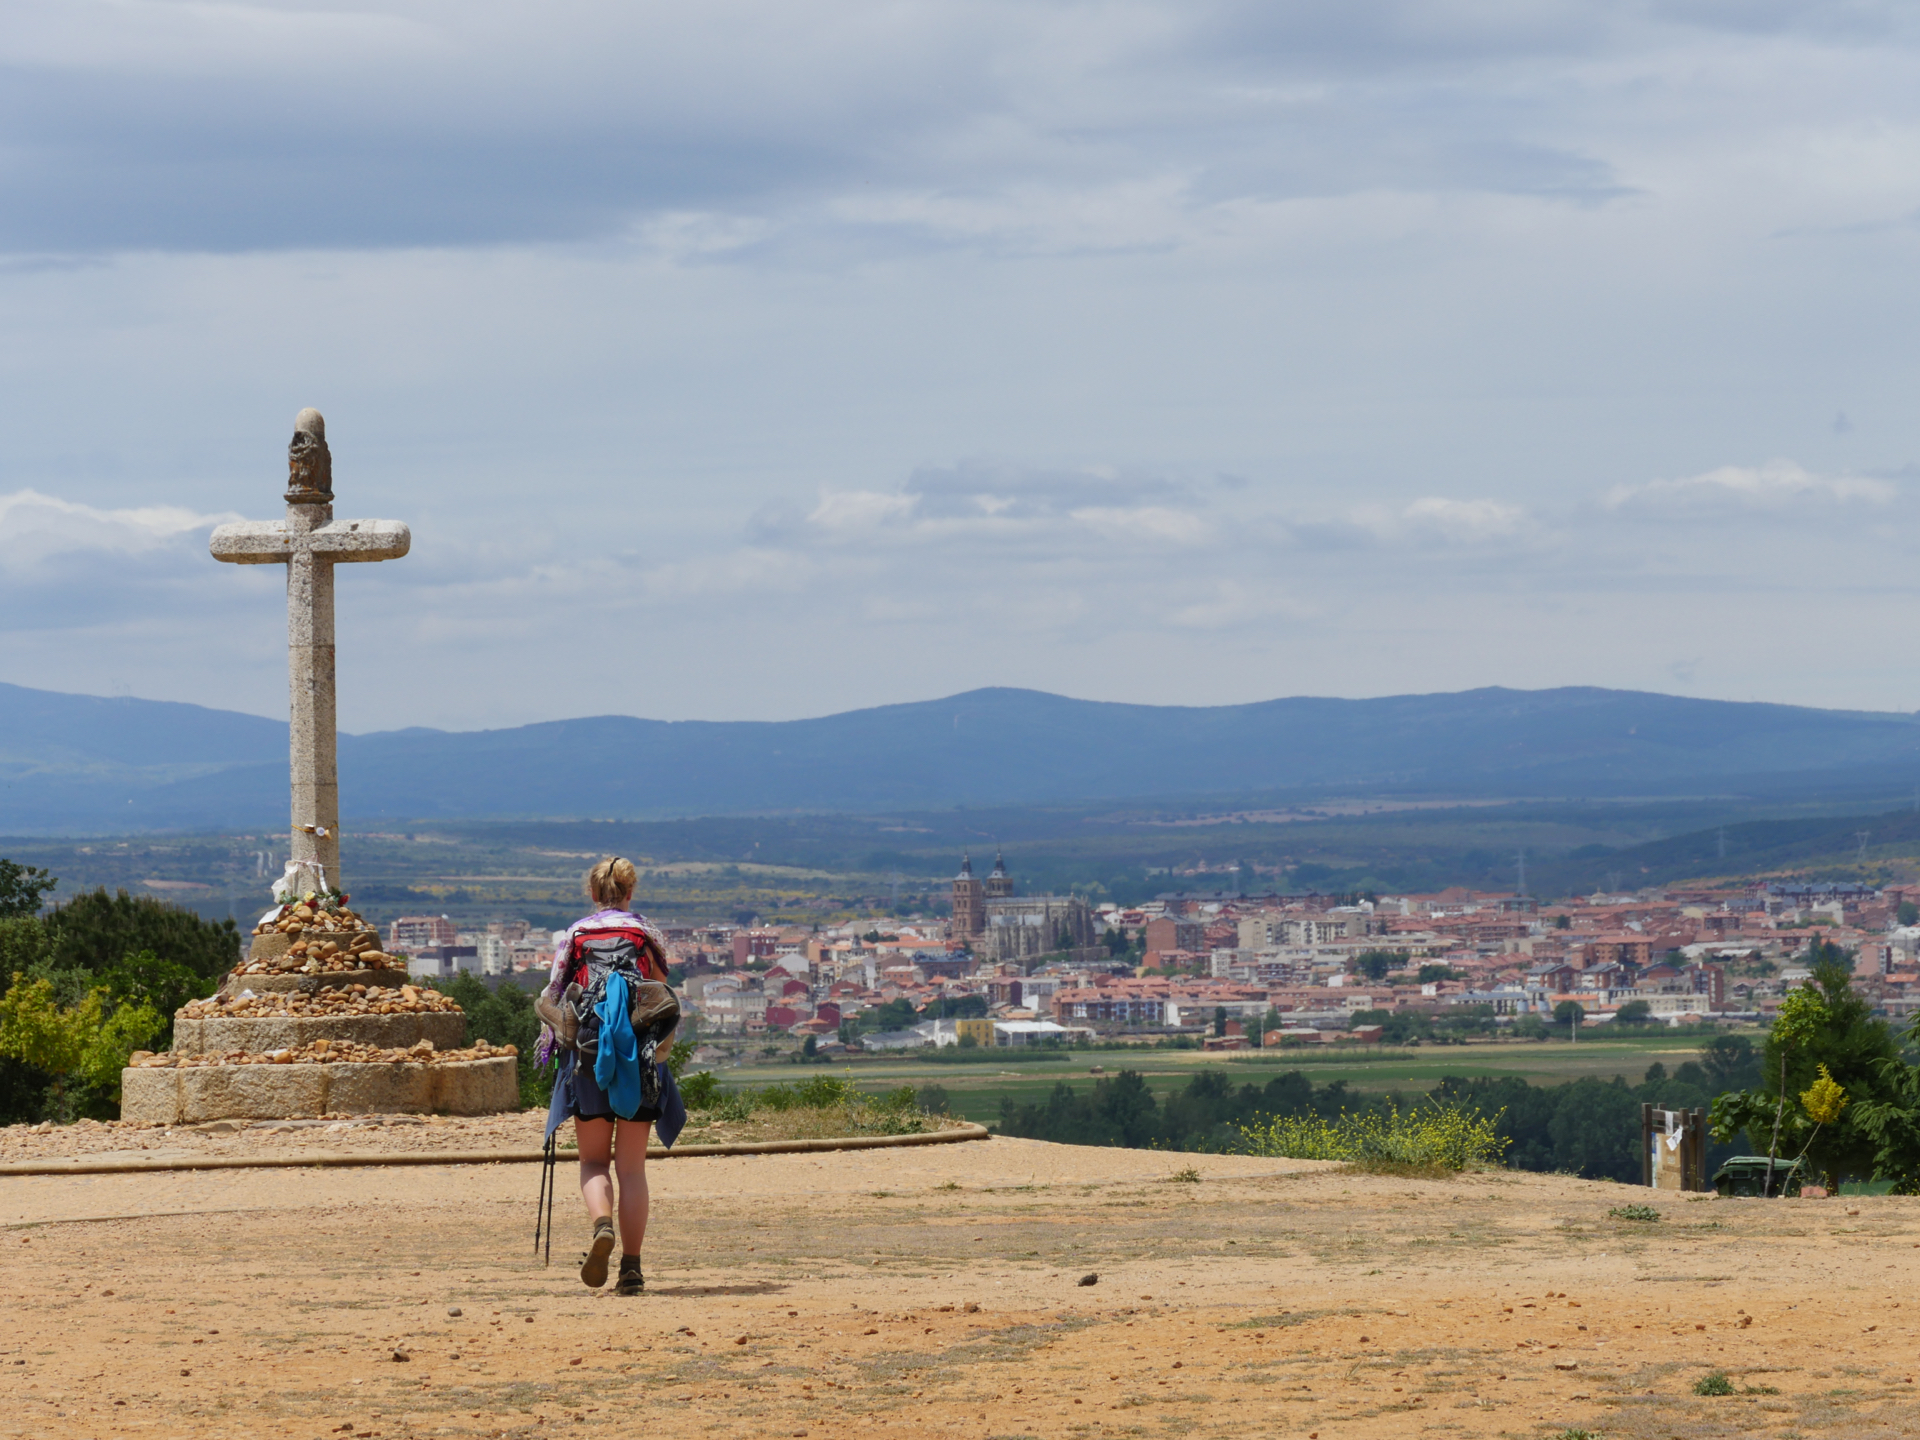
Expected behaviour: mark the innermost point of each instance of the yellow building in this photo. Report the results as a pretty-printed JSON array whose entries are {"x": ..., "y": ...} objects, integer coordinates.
[{"x": 980, "y": 1030}]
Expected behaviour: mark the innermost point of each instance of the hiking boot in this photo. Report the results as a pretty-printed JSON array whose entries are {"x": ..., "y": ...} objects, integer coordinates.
[
  {"x": 593, "y": 1269},
  {"x": 630, "y": 1281}
]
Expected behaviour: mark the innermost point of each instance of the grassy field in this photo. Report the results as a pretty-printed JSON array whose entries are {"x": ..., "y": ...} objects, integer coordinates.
[{"x": 975, "y": 1091}]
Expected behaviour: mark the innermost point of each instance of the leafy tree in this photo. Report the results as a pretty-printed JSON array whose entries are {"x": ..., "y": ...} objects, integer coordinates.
[
  {"x": 955, "y": 1007},
  {"x": 21, "y": 889},
  {"x": 1634, "y": 1012},
  {"x": 811, "y": 1049},
  {"x": 1430, "y": 974},
  {"x": 1569, "y": 1013},
  {"x": 1822, "y": 1023},
  {"x": 896, "y": 1014},
  {"x": 1908, "y": 914},
  {"x": 1730, "y": 1063},
  {"x": 163, "y": 986},
  {"x": 93, "y": 931},
  {"x": 1530, "y": 1027},
  {"x": 1823, "y": 952},
  {"x": 1376, "y": 965},
  {"x": 81, "y": 1047},
  {"x": 1219, "y": 1020}
]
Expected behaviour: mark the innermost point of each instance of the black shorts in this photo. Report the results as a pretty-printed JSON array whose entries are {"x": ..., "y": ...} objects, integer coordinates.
[{"x": 587, "y": 1101}]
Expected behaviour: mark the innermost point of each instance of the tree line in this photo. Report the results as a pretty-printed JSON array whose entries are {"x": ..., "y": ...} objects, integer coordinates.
[{"x": 1586, "y": 1127}]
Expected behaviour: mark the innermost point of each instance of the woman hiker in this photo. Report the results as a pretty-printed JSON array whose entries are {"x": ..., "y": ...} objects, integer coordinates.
[{"x": 606, "y": 1010}]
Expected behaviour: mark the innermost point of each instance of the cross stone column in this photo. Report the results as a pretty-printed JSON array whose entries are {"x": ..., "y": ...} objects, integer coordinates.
[{"x": 310, "y": 542}]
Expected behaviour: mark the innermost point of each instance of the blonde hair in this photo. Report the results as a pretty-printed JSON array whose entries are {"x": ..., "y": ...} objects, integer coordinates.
[{"x": 611, "y": 882}]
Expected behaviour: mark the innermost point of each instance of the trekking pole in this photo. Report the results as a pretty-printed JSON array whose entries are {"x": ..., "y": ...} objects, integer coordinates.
[{"x": 544, "y": 1202}]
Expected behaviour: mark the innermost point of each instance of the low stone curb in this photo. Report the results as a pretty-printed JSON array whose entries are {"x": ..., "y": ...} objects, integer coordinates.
[{"x": 340, "y": 1160}]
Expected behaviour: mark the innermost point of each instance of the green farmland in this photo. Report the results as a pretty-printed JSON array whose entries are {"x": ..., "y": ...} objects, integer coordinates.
[{"x": 975, "y": 1091}]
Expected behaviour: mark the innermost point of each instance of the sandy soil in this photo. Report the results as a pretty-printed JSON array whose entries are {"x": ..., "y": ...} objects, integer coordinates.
[
  {"x": 827, "y": 1295},
  {"x": 373, "y": 1134}
]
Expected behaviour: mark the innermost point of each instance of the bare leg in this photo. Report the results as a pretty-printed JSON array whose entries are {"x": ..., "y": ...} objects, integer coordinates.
[
  {"x": 595, "y": 1138},
  {"x": 630, "y": 1162}
]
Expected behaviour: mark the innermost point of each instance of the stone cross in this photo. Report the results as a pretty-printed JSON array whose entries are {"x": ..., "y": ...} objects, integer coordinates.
[{"x": 310, "y": 542}]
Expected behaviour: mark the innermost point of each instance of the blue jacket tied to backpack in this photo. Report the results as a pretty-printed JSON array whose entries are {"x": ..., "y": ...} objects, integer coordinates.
[{"x": 616, "y": 1068}]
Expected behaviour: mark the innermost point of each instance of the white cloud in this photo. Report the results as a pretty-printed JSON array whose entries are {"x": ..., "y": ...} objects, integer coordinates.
[
  {"x": 1768, "y": 486},
  {"x": 34, "y": 526},
  {"x": 1440, "y": 520}
]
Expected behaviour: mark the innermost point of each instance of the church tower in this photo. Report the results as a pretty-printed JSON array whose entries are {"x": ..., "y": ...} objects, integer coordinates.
[
  {"x": 969, "y": 905},
  {"x": 998, "y": 885}
]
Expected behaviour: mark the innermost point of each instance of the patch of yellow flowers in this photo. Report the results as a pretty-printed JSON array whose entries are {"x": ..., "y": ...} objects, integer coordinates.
[
  {"x": 1449, "y": 1136},
  {"x": 1824, "y": 1099}
]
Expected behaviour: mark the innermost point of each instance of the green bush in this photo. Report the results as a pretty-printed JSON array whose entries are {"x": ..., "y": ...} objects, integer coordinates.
[
  {"x": 503, "y": 1017},
  {"x": 1643, "y": 1214},
  {"x": 113, "y": 958},
  {"x": 82, "y": 1047},
  {"x": 700, "y": 1091},
  {"x": 1714, "y": 1384}
]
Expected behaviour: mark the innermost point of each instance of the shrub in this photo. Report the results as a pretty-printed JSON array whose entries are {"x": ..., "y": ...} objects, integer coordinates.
[
  {"x": 1643, "y": 1213},
  {"x": 1445, "y": 1136},
  {"x": 1714, "y": 1384},
  {"x": 700, "y": 1091},
  {"x": 933, "y": 1099},
  {"x": 82, "y": 1047}
]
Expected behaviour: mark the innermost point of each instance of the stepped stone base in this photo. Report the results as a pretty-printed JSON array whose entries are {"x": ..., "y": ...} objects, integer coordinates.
[
  {"x": 268, "y": 984},
  {"x": 292, "y": 1092},
  {"x": 447, "y": 1029}
]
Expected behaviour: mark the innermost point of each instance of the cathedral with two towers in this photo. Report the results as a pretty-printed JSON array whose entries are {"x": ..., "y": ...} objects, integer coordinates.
[{"x": 1001, "y": 928}]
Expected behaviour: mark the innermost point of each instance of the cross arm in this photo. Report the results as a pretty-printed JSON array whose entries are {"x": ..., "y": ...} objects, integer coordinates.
[
  {"x": 251, "y": 542},
  {"x": 345, "y": 541}
]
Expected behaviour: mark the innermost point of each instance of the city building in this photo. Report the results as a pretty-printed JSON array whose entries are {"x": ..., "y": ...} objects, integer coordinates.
[{"x": 413, "y": 932}]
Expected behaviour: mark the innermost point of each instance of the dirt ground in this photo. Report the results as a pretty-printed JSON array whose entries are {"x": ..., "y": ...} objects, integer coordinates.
[
  {"x": 833, "y": 1295},
  {"x": 522, "y": 1131}
]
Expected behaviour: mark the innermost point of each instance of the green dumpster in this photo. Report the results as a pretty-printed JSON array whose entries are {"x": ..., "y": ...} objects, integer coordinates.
[{"x": 1747, "y": 1175}]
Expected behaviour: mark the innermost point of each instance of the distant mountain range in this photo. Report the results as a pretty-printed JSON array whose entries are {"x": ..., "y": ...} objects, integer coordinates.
[{"x": 82, "y": 764}]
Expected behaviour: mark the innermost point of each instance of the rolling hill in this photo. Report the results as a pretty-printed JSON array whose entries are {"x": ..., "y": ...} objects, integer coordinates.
[{"x": 84, "y": 764}]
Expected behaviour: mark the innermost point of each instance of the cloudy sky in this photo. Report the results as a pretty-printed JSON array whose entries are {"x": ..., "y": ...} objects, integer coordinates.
[{"x": 752, "y": 360}]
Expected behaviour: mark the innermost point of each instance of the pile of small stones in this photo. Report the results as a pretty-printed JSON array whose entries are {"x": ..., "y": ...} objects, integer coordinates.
[
  {"x": 327, "y": 1052},
  {"x": 347, "y": 1000},
  {"x": 327, "y": 938},
  {"x": 315, "y": 913},
  {"x": 323, "y": 958}
]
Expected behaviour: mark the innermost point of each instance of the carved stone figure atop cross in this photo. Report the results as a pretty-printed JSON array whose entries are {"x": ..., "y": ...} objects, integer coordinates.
[{"x": 310, "y": 542}]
